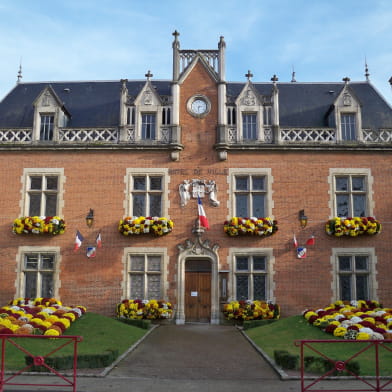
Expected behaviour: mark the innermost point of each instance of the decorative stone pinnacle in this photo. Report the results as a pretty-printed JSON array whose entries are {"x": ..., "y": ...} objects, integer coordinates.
[
  {"x": 346, "y": 79},
  {"x": 274, "y": 79}
]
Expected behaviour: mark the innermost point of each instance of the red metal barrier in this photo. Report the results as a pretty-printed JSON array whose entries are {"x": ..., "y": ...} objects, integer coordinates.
[
  {"x": 38, "y": 360},
  {"x": 374, "y": 383}
]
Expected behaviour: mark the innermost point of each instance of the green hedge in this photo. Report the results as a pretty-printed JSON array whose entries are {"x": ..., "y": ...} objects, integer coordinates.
[
  {"x": 257, "y": 323},
  {"x": 85, "y": 361},
  {"x": 140, "y": 323},
  {"x": 317, "y": 365}
]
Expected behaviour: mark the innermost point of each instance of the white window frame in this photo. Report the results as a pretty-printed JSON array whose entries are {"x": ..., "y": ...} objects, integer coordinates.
[
  {"x": 20, "y": 260},
  {"x": 25, "y": 180},
  {"x": 256, "y": 116},
  {"x": 355, "y": 172},
  {"x": 153, "y": 131},
  {"x": 131, "y": 172},
  {"x": 269, "y": 271},
  {"x": 234, "y": 172},
  {"x": 144, "y": 251},
  {"x": 372, "y": 274}
]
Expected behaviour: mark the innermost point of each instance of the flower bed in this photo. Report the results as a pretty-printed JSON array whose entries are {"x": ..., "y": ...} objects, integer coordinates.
[
  {"x": 352, "y": 226},
  {"x": 357, "y": 320},
  {"x": 250, "y": 226},
  {"x": 132, "y": 225},
  {"x": 39, "y": 316},
  {"x": 251, "y": 310},
  {"x": 39, "y": 225},
  {"x": 144, "y": 309}
]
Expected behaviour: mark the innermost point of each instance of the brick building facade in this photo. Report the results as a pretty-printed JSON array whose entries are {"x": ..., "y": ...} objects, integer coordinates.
[{"x": 149, "y": 147}]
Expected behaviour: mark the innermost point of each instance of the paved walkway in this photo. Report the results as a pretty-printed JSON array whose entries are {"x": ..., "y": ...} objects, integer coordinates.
[{"x": 191, "y": 357}]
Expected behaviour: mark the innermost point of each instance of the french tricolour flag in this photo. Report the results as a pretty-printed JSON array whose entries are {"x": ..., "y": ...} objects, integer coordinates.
[
  {"x": 202, "y": 215},
  {"x": 98, "y": 240},
  {"x": 78, "y": 241}
]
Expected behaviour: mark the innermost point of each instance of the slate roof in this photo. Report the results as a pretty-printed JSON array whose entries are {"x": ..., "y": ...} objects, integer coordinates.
[
  {"x": 97, "y": 103},
  {"x": 91, "y": 104}
]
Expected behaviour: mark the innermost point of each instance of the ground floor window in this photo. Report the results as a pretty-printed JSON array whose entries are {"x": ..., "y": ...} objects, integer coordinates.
[
  {"x": 354, "y": 274},
  {"x": 144, "y": 276},
  {"x": 38, "y": 272},
  {"x": 252, "y": 275}
]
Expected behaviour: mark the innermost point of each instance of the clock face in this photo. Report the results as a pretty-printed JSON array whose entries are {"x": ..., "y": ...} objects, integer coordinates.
[{"x": 199, "y": 106}]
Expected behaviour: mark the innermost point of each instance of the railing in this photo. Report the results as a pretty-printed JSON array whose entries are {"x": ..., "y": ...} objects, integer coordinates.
[
  {"x": 380, "y": 136},
  {"x": 24, "y": 135},
  {"x": 106, "y": 135},
  {"x": 84, "y": 135},
  {"x": 376, "y": 383},
  {"x": 306, "y": 135},
  {"x": 38, "y": 360}
]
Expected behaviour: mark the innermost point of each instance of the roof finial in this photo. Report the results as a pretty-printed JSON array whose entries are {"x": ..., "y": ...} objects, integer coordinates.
[
  {"x": 293, "y": 76},
  {"x": 249, "y": 75},
  {"x": 366, "y": 71},
  {"x": 19, "y": 72},
  {"x": 274, "y": 79},
  {"x": 148, "y": 75},
  {"x": 346, "y": 80},
  {"x": 390, "y": 81}
]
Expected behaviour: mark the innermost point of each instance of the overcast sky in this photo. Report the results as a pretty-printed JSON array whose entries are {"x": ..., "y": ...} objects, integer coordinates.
[{"x": 322, "y": 40}]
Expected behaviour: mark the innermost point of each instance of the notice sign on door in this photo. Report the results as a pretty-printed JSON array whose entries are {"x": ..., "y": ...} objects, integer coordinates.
[{"x": 194, "y": 294}]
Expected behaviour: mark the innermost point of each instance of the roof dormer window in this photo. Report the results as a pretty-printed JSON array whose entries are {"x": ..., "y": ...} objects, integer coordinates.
[
  {"x": 348, "y": 126},
  {"x": 46, "y": 127}
]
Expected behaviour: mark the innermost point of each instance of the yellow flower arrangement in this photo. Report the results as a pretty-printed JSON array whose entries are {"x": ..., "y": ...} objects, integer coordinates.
[
  {"x": 251, "y": 310},
  {"x": 352, "y": 227},
  {"x": 144, "y": 309},
  {"x": 134, "y": 225},
  {"x": 47, "y": 316},
  {"x": 53, "y": 225},
  {"x": 250, "y": 226}
]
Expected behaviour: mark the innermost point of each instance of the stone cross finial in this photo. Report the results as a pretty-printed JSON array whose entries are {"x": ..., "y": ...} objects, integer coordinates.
[
  {"x": 346, "y": 79},
  {"x": 249, "y": 75},
  {"x": 274, "y": 79},
  {"x": 148, "y": 75}
]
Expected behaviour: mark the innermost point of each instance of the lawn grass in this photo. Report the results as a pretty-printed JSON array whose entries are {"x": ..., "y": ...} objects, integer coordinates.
[
  {"x": 99, "y": 333},
  {"x": 282, "y": 334}
]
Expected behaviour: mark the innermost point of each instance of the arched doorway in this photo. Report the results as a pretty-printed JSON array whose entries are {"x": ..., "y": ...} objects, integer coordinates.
[
  {"x": 197, "y": 282},
  {"x": 198, "y": 290}
]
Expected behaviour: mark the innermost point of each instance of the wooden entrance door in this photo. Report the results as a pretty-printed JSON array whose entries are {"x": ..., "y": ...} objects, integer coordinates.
[{"x": 197, "y": 294}]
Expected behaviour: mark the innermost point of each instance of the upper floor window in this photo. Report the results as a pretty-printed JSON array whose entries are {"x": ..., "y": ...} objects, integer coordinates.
[
  {"x": 147, "y": 195},
  {"x": 249, "y": 126},
  {"x": 166, "y": 116},
  {"x": 231, "y": 116},
  {"x": 348, "y": 126},
  {"x": 42, "y": 195},
  {"x": 131, "y": 115},
  {"x": 350, "y": 195},
  {"x": 46, "y": 129},
  {"x": 38, "y": 275},
  {"x": 267, "y": 115},
  {"x": 148, "y": 126},
  {"x": 250, "y": 195}
]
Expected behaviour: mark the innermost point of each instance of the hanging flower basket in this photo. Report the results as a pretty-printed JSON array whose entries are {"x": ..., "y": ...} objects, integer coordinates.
[
  {"x": 53, "y": 225},
  {"x": 133, "y": 225},
  {"x": 262, "y": 227},
  {"x": 352, "y": 227}
]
